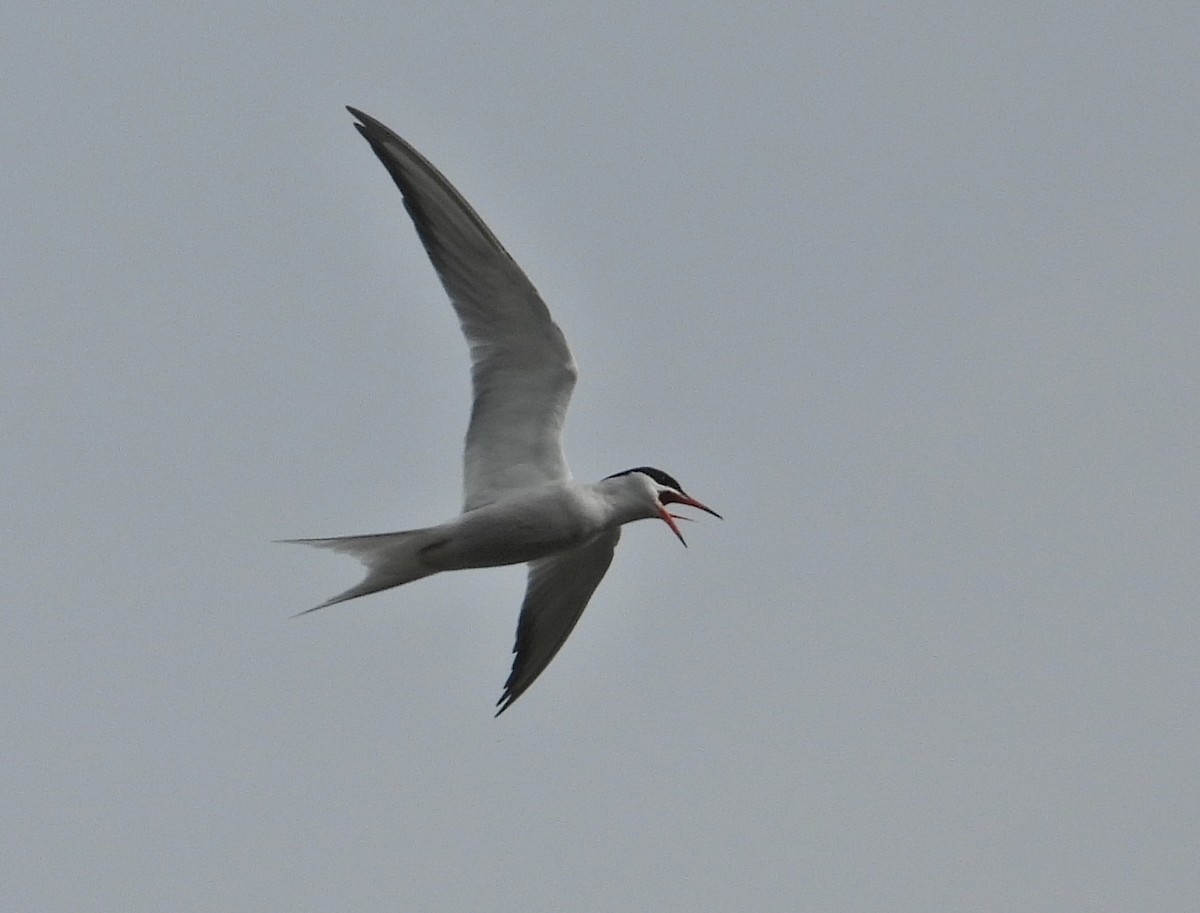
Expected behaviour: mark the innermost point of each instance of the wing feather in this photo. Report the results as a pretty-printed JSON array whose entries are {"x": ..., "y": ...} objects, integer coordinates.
[
  {"x": 558, "y": 591},
  {"x": 522, "y": 370}
]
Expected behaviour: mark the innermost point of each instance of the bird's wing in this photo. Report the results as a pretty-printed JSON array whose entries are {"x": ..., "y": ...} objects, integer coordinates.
[
  {"x": 522, "y": 371},
  {"x": 558, "y": 591}
]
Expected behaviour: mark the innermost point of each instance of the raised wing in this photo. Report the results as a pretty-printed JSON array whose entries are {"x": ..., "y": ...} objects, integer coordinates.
[
  {"x": 522, "y": 371},
  {"x": 557, "y": 593}
]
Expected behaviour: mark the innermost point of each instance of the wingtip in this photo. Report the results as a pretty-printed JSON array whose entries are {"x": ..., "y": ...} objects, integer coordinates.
[
  {"x": 315, "y": 608},
  {"x": 365, "y": 120}
]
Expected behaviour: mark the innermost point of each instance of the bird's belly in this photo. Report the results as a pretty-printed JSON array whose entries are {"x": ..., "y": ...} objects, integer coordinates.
[{"x": 513, "y": 534}]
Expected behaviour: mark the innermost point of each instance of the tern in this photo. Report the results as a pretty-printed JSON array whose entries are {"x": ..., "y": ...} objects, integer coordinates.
[{"x": 520, "y": 503}]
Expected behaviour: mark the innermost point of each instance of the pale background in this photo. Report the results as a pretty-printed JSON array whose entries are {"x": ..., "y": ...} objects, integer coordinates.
[{"x": 907, "y": 291}]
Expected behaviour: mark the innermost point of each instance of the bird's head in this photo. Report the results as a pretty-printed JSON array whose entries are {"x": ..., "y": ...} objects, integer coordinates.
[{"x": 658, "y": 490}]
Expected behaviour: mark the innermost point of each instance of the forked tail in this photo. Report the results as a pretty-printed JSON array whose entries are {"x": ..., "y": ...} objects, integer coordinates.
[{"x": 391, "y": 559}]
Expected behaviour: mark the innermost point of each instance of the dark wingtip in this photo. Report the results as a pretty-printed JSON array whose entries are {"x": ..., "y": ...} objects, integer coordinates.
[{"x": 305, "y": 612}]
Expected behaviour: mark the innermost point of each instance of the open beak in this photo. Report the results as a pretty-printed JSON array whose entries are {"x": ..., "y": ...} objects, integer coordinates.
[{"x": 672, "y": 497}]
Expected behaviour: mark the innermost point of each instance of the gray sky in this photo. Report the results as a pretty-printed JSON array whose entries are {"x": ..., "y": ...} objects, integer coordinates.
[{"x": 908, "y": 292}]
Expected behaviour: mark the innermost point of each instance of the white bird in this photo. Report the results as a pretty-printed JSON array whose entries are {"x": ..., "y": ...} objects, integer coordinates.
[{"x": 520, "y": 504}]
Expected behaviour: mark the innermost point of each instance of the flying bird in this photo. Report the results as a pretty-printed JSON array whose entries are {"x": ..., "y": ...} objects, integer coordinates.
[{"x": 520, "y": 504}]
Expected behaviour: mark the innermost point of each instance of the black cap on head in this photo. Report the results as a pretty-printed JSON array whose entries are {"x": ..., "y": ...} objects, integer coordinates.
[{"x": 656, "y": 474}]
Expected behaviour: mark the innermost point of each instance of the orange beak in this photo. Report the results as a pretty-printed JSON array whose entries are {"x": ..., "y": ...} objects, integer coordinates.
[{"x": 673, "y": 497}]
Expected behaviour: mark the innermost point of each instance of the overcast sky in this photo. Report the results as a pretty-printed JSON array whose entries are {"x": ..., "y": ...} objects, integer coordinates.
[{"x": 908, "y": 292}]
